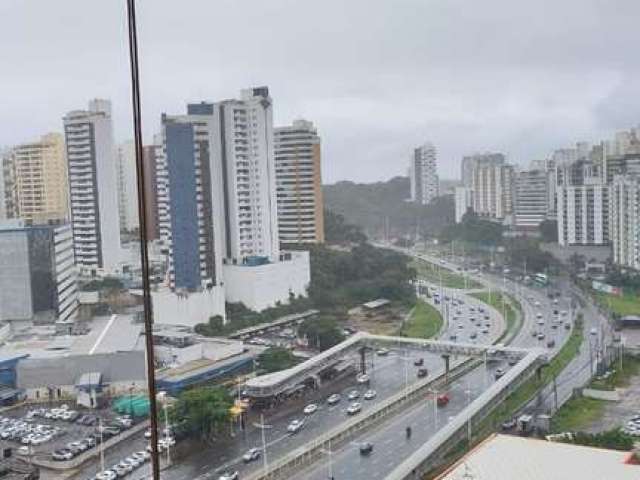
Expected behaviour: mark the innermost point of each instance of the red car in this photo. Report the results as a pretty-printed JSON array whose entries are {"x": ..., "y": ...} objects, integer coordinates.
[{"x": 442, "y": 400}]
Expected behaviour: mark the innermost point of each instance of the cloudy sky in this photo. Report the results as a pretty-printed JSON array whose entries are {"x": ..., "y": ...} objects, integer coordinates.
[{"x": 377, "y": 77}]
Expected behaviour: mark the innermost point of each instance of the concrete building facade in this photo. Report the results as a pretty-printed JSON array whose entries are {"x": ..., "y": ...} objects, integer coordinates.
[
  {"x": 463, "y": 201},
  {"x": 531, "y": 205},
  {"x": 93, "y": 191},
  {"x": 38, "y": 278},
  {"x": 493, "y": 190},
  {"x": 624, "y": 207},
  {"x": 39, "y": 180},
  {"x": 583, "y": 214},
  {"x": 299, "y": 184},
  {"x": 469, "y": 163},
  {"x": 127, "y": 187},
  {"x": 423, "y": 174}
]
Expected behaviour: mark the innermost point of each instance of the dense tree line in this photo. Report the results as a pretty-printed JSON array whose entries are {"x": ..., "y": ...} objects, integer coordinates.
[
  {"x": 202, "y": 411},
  {"x": 473, "y": 230}
]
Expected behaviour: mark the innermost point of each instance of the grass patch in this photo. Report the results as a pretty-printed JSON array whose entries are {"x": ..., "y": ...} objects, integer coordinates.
[
  {"x": 495, "y": 300},
  {"x": 425, "y": 322},
  {"x": 625, "y": 305},
  {"x": 619, "y": 378},
  {"x": 433, "y": 273},
  {"x": 576, "y": 414}
]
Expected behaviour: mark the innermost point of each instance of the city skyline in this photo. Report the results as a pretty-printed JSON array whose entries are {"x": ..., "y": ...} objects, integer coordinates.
[{"x": 423, "y": 93}]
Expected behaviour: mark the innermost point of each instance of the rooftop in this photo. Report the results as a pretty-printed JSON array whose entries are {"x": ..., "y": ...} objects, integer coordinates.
[{"x": 507, "y": 457}]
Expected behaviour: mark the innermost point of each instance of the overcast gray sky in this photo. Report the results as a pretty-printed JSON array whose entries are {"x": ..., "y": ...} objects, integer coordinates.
[{"x": 377, "y": 77}]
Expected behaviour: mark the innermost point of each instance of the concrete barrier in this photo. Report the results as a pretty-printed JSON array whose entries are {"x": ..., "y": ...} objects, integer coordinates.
[{"x": 608, "y": 395}]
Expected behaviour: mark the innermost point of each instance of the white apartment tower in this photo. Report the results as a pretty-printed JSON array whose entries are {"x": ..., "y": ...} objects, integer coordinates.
[
  {"x": 624, "y": 207},
  {"x": 299, "y": 183},
  {"x": 531, "y": 206},
  {"x": 582, "y": 213},
  {"x": 493, "y": 190},
  {"x": 423, "y": 174},
  {"x": 93, "y": 191}
]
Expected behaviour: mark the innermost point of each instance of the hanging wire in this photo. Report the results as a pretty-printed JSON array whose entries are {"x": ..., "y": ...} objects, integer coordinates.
[{"x": 144, "y": 254}]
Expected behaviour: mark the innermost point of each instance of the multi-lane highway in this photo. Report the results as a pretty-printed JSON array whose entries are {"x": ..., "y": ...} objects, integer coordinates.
[{"x": 390, "y": 444}]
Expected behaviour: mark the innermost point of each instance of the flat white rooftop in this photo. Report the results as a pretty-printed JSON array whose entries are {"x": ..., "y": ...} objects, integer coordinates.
[{"x": 507, "y": 457}]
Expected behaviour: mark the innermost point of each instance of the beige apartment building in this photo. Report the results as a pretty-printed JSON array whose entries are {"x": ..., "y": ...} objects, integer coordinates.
[
  {"x": 39, "y": 180},
  {"x": 299, "y": 183}
]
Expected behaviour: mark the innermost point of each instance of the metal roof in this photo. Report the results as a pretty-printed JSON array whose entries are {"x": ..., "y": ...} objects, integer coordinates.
[{"x": 507, "y": 457}]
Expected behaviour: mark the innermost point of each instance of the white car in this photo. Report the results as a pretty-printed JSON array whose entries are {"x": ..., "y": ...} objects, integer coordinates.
[
  {"x": 252, "y": 455},
  {"x": 295, "y": 426},
  {"x": 353, "y": 394},
  {"x": 107, "y": 475},
  {"x": 229, "y": 476},
  {"x": 593, "y": 331},
  {"x": 311, "y": 408},
  {"x": 382, "y": 352},
  {"x": 370, "y": 394},
  {"x": 362, "y": 378},
  {"x": 333, "y": 399},
  {"x": 354, "y": 408}
]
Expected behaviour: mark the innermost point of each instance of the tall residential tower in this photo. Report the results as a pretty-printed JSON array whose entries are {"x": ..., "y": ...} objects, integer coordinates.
[
  {"x": 93, "y": 191},
  {"x": 423, "y": 174},
  {"x": 299, "y": 183}
]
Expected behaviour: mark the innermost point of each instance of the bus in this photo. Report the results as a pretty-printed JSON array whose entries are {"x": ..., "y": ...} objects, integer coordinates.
[{"x": 541, "y": 279}]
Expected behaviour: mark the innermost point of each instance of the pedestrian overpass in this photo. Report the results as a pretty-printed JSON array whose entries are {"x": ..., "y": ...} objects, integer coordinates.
[{"x": 280, "y": 383}]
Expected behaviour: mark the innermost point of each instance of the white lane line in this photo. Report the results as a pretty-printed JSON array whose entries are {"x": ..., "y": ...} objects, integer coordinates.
[{"x": 103, "y": 333}]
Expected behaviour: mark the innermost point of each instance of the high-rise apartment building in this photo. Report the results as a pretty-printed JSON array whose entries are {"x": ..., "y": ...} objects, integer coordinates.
[
  {"x": 38, "y": 276},
  {"x": 127, "y": 187},
  {"x": 493, "y": 190},
  {"x": 299, "y": 183},
  {"x": 470, "y": 162},
  {"x": 583, "y": 213},
  {"x": 189, "y": 198},
  {"x": 423, "y": 174},
  {"x": 38, "y": 180},
  {"x": 531, "y": 205},
  {"x": 624, "y": 208},
  {"x": 217, "y": 210},
  {"x": 93, "y": 186}
]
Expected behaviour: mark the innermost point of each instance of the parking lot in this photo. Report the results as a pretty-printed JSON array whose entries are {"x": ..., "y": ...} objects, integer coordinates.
[{"x": 59, "y": 433}]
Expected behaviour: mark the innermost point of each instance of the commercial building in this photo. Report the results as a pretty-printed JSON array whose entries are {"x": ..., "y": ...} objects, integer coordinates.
[
  {"x": 127, "y": 187},
  {"x": 583, "y": 213},
  {"x": 38, "y": 275},
  {"x": 493, "y": 190},
  {"x": 471, "y": 161},
  {"x": 299, "y": 184},
  {"x": 93, "y": 191},
  {"x": 531, "y": 206},
  {"x": 463, "y": 201},
  {"x": 510, "y": 457},
  {"x": 423, "y": 174},
  {"x": 624, "y": 208},
  {"x": 37, "y": 177},
  {"x": 627, "y": 164}
]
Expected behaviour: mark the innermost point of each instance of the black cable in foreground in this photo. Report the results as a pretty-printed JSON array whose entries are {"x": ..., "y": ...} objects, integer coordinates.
[{"x": 144, "y": 254}]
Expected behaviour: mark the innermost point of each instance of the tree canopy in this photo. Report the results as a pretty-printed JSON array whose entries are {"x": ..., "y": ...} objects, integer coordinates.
[
  {"x": 274, "y": 359},
  {"x": 549, "y": 231},
  {"x": 322, "y": 332},
  {"x": 474, "y": 230},
  {"x": 202, "y": 411}
]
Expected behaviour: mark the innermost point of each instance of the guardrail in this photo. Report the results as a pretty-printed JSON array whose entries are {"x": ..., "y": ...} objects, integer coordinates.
[
  {"x": 307, "y": 453},
  {"x": 426, "y": 457}
]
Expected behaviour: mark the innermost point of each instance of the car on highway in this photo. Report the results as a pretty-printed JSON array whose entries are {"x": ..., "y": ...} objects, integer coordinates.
[
  {"x": 366, "y": 448},
  {"x": 593, "y": 331},
  {"x": 551, "y": 343},
  {"x": 418, "y": 362},
  {"x": 370, "y": 394},
  {"x": 498, "y": 373},
  {"x": 422, "y": 372},
  {"x": 540, "y": 322},
  {"x": 541, "y": 336},
  {"x": 382, "y": 352},
  {"x": 333, "y": 399},
  {"x": 354, "y": 408},
  {"x": 485, "y": 330},
  {"x": 567, "y": 326},
  {"x": 453, "y": 337},
  {"x": 311, "y": 408},
  {"x": 473, "y": 335},
  {"x": 295, "y": 426},
  {"x": 107, "y": 475},
  {"x": 353, "y": 394},
  {"x": 362, "y": 378},
  {"x": 442, "y": 400},
  {"x": 460, "y": 326},
  {"x": 251, "y": 455},
  {"x": 229, "y": 475}
]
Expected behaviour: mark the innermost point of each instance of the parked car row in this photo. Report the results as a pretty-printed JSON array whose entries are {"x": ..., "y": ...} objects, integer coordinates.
[
  {"x": 124, "y": 467},
  {"x": 27, "y": 433},
  {"x": 63, "y": 412},
  {"x": 73, "y": 449}
]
